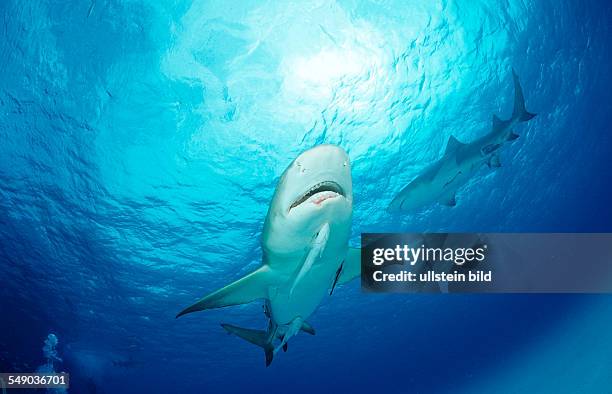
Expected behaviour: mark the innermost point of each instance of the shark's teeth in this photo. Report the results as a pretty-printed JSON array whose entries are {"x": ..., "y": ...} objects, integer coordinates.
[{"x": 326, "y": 186}]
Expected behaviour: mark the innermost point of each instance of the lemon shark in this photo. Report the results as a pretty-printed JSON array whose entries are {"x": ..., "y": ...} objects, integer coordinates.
[
  {"x": 439, "y": 182},
  {"x": 305, "y": 250}
]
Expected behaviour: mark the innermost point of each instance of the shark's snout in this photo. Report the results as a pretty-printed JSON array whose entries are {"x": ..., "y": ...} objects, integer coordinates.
[{"x": 316, "y": 177}]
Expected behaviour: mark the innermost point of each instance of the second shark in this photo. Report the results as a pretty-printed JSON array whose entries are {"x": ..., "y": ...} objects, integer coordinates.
[{"x": 440, "y": 181}]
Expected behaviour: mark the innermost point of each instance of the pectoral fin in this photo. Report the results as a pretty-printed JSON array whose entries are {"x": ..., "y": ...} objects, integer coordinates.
[
  {"x": 512, "y": 136},
  {"x": 250, "y": 288},
  {"x": 351, "y": 268},
  {"x": 336, "y": 278}
]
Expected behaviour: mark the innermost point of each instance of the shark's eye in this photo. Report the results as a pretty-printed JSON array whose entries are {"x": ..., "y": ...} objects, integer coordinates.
[{"x": 345, "y": 164}]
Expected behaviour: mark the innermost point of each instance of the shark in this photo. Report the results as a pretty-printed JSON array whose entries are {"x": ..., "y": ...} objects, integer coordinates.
[
  {"x": 305, "y": 250},
  {"x": 440, "y": 181}
]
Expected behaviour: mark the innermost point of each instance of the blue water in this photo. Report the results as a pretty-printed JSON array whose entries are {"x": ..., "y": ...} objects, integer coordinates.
[{"x": 140, "y": 144}]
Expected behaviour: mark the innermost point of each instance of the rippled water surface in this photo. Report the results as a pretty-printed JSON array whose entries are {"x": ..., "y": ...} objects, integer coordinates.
[{"x": 141, "y": 142}]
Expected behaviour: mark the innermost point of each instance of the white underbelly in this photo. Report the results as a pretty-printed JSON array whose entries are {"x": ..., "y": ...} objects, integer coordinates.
[{"x": 303, "y": 300}]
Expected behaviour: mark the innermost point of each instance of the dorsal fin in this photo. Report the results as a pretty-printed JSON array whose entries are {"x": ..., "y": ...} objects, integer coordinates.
[
  {"x": 452, "y": 144},
  {"x": 497, "y": 123}
]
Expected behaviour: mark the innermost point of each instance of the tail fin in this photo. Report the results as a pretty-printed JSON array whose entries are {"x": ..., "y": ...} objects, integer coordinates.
[
  {"x": 519, "y": 111},
  {"x": 256, "y": 337}
]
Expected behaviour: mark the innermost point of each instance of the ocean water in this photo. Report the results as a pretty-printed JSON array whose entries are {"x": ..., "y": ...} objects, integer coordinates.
[{"x": 141, "y": 142}]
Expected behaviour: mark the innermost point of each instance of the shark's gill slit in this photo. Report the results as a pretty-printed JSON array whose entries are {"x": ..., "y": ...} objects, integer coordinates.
[{"x": 326, "y": 186}]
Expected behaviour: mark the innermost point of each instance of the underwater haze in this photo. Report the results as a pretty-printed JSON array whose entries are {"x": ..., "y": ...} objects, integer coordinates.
[{"x": 141, "y": 143}]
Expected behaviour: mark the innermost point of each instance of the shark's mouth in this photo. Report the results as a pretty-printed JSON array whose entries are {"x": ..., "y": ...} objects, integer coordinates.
[{"x": 318, "y": 193}]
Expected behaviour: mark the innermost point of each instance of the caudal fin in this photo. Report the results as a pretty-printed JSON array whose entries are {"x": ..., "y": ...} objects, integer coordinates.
[
  {"x": 519, "y": 111},
  {"x": 256, "y": 337}
]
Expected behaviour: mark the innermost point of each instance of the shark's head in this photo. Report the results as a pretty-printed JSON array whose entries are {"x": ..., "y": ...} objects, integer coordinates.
[{"x": 315, "y": 189}]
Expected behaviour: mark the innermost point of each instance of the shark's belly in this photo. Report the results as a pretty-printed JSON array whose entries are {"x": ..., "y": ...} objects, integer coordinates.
[
  {"x": 453, "y": 179},
  {"x": 303, "y": 299}
]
